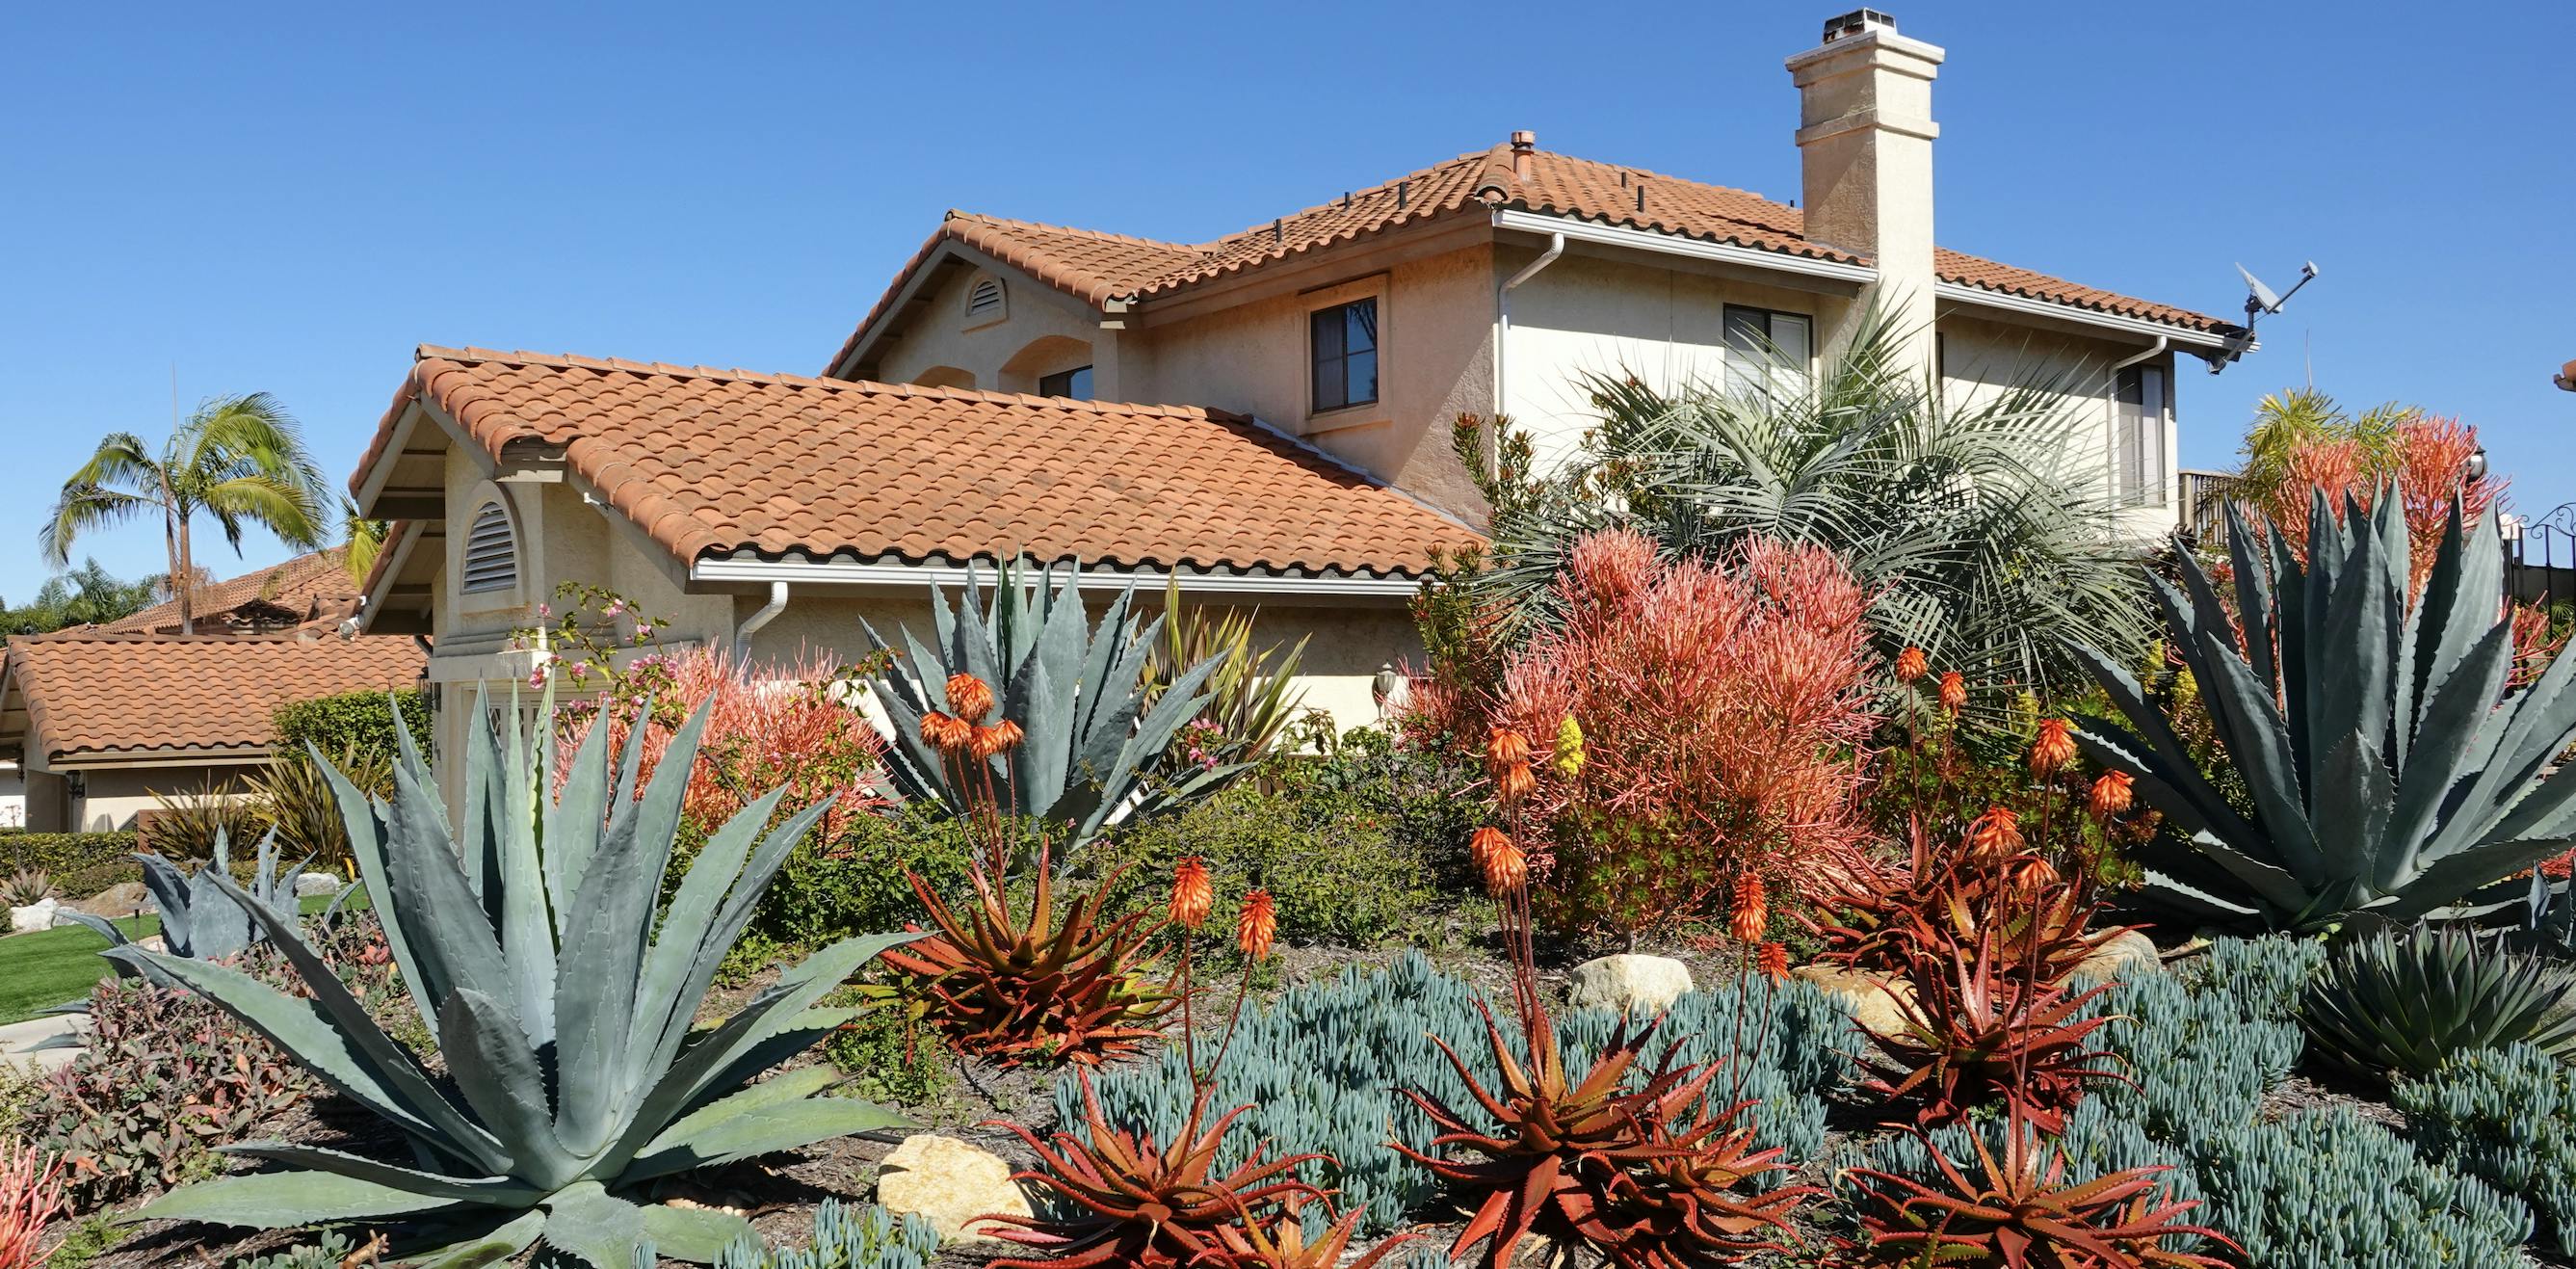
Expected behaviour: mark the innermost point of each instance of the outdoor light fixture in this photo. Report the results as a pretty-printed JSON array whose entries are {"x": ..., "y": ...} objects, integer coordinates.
[{"x": 2478, "y": 464}]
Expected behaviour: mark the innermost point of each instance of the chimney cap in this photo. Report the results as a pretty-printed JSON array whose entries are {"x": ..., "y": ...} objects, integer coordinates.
[
  {"x": 1524, "y": 140},
  {"x": 1857, "y": 22}
]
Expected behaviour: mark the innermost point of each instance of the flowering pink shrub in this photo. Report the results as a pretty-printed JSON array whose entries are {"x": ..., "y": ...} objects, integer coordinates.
[
  {"x": 783, "y": 724},
  {"x": 1722, "y": 709}
]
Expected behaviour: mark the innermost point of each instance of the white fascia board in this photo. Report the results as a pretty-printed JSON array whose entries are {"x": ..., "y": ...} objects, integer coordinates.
[
  {"x": 854, "y": 573},
  {"x": 1579, "y": 230},
  {"x": 1963, "y": 294}
]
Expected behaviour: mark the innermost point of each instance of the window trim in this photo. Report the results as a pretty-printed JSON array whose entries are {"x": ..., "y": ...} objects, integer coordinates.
[
  {"x": 1726, "y": 329},
  {"x": 1087, "y": 368},
  {"x": 1355, "y": 413},
  {"x": 2155, "y": 474}
]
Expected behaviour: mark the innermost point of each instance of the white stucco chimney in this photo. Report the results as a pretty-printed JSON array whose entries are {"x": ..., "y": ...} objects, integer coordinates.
[{"x": 1865, "y": 135}]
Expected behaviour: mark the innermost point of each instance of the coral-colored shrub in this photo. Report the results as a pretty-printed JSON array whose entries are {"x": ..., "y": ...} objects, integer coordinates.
[
  {"x": 772, "y": 725},
  {"x": 2426, "y": 460},
  {"x": 1722, "y": 708}
]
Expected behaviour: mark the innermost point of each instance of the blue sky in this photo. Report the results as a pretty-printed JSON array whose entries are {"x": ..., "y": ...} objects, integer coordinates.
[{"x": 291, "y": 199}]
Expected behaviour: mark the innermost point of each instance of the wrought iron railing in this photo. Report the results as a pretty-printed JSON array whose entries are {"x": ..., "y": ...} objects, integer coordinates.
[{"x": 2540, "y": 556}]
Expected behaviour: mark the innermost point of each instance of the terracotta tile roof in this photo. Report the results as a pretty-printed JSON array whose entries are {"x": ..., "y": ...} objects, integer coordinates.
[
  {"x": 715, "y": 461},
  {"x": 96, "y": 694},
  {"x": 1098, "y": 267},
  {"x": 307, "y": 588}
]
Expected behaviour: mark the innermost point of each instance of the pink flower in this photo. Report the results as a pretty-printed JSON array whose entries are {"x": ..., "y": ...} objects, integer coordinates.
[
  {"x": 615, "y": 607},
  {"x": 643, "y": 632},
  {"x": 545, "y": 610},
  {"x": 537, "y": 677}
]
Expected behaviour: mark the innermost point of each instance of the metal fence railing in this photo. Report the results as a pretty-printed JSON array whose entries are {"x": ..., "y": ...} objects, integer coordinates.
[
  {"x": 2204, "y": 503},
  {"x": 2540, "y": 556}
]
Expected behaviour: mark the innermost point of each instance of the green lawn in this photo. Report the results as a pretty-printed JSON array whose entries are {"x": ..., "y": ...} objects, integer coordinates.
[{"x": 52, "y": 967}]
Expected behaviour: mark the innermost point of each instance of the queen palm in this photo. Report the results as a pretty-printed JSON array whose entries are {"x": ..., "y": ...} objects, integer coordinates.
[{"x": 239, "y": 459}]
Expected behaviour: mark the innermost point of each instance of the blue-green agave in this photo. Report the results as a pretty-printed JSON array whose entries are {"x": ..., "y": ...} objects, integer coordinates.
[
  {"x": 561, "y": 991},
  {"x": 1091, "y": 746},
  {"x": 2391, "y": 773},
  {"x": 196, "y": 922}
]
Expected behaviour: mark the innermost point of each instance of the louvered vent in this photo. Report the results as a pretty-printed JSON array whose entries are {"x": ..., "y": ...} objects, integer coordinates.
[
  {"x": 985, "y": 300},
  {"x": 491, "y": 555}
]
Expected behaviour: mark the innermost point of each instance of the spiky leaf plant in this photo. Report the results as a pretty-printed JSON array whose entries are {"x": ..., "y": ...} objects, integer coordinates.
[
  {"x": 1128, "y": 1202},
  {"x": 2019, "y": 1212},
  {"x": 1982, "y": 1029},
  {"x": 1092, "y": 746},
  {"x": 26, "y": 888},
  {"x": 1946, "y": 894},
  {"x": 2393, "y": 776},
  {"x": 562, "y": 992},
  {"x": 2401, "y": 1004},
  {"x": 199, "y": 923}
]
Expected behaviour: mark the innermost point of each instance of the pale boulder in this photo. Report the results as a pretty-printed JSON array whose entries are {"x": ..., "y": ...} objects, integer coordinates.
[
  {"x": 1627, "y": 983},
  {"x": 35, "y": 916},
  {"x": 310, "y": 884},
  {"x": 949, "y": 1183},
  {"x": 2122, "y": 955},
  {"x": 1880, "y": 1003}
]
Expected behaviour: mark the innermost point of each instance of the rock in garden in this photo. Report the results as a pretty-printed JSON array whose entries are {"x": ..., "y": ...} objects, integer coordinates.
[
  {"x": 313, "y": 883},
  {"x": 948, "y": 1183},
  {"x": 125, "y": 898},
  {"x": 2125, "y": 953},
  {"x": 33, "y": 917},
  {"x": 1628, "y": 983},
  {"x": 1878, "y": 1002}
]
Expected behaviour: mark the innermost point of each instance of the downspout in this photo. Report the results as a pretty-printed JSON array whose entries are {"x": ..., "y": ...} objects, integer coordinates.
[
  {"x": 1502, "y": 350},
  {"x": 2154, "y": 350},
  {"x": 751, "y": 625}
]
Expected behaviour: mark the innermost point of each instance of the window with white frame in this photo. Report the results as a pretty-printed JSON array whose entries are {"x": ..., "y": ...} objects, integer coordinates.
[
  {"x": 1342, "y": 354},
  {"x": 1761, "y": 343},
  {"x": 491, "y": 563},
  {"x": 2141, "y": 411}
]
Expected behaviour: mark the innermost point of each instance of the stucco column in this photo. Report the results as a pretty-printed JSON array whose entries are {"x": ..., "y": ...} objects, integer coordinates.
[{"x": 1865, "y": 134}]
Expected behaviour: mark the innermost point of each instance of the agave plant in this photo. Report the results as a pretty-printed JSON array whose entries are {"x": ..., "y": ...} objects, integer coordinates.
[
  {"x": 562, "y": 990},
  {"x": 2393, "y": 774},
  {"x": 204, "y": 917},
  {"x": 1605, "y": 1161},
  {"x": 1079, "y": 990},
  {"x": 2401, "y": 1003},
  {"x": 1129, "y": 1202},
  {"x": 2019, "y": 1212},
  {"x": 1092, "y": 747},
  {"x": 1982, "y": 1029},
  {"x": 26, "y": 887}
]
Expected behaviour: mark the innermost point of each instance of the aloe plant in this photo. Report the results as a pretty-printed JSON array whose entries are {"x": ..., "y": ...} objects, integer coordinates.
[
  {"x": 2392, "y": 774},
  {"x": 562, "y": 992},
  {"x": 1093, "y": 748},
  {"x": 199, "y": 923},
  {"x": 2405, "y": 1003}
]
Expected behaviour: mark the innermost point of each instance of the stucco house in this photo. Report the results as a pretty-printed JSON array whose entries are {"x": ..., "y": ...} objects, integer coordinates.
[{"x": 1284, "y": 395}]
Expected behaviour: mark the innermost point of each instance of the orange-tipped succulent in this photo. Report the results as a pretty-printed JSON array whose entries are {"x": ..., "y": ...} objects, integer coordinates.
[
  {"x": 969, "y": 697},
  {"x": 1001, "y": 737},
  {"x": 1281, "y": 1243},
  {"x": 1996, "y": 833},
  {"x": 1125, "y": 1200},
  {"x": 1979, "y": 1031},
  {"x": 2111, "y": 795},
  {"x": 946, "y": 733},
  {"x": 1505, "y": 746},
  {"x": 2052, "y": 749},
  {"x": 1954, "y": 692},
  {"x": 1499, "y": 859},
  {"x": 1773, "y": 961},
  {"x": 1017, "y": 991},
  {"x": 1193, "y": 895},
  {"x": 1256, "y": 928},
  {"x": 1911, "y": 665}
]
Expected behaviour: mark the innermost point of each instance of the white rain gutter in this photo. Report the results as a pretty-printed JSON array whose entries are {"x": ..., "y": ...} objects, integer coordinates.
[
  {"x": 751, "y": 625},
  {"x": 1963, "y": 294},
  {"x": 2156, "y": 349},
  {"x": 1675, "y": 245},
  {"x": 851, "y": 573},
  {"x": 1503, "y": 350}
]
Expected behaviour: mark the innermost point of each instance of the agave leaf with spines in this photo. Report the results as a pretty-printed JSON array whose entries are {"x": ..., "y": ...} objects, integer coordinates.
[
  {"x": 1091, "y": 747},
  {"x": 562, "y": 991},
  {"x": 197, "y": 920},
  {"x": 2393, "y": 778}
]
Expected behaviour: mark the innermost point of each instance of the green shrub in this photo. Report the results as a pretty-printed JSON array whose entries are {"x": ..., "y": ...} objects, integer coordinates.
[
  {"x": 845, "y": 1237},
  {"x": 1332, "y": 862},
  {"x": 361, "y": 720},
  {"x": 325, "y": 1253},
  {"x": 855, "y": 882},
  {"x": 97, "y": 879},
  {"x": 2508, "y": 1117},
  {"x": 64, "y": 854},
  {"x": 1322, "y": 1069},
  {"x": 885, "y": 1057}
]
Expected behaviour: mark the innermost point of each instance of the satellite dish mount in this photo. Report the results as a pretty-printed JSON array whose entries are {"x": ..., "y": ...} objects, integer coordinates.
[{"x": 2260, "y": 302}]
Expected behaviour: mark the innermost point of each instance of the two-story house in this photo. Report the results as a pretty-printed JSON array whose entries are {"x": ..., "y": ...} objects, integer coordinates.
[{"x": 1265, "y": 415}]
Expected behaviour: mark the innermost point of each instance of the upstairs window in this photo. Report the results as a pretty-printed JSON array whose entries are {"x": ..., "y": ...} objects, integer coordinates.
[
  {"x": 1075, "y": 383},
  {"x": 491, "y": 552},
  {"x": 1342, "y": 341},
  {"x": 2140, "y": 414},
  {"x": 1760, "y": 343}
]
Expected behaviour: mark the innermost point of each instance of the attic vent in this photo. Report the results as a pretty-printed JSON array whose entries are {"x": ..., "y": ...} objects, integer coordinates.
[
  {"x": 491, "y": 552},
  {"x": 984, "y": 301}
]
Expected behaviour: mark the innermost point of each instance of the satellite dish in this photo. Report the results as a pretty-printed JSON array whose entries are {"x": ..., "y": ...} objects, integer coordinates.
[{"x": 2260, "y": 301}]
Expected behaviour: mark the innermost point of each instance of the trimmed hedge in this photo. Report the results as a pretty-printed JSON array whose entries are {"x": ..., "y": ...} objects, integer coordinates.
[
  {"x": 62, "y": 852},
  {"x": 335, "y": 723}
]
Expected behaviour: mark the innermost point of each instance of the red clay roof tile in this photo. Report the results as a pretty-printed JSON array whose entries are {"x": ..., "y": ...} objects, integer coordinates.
[{"x": 90, "y": 693}]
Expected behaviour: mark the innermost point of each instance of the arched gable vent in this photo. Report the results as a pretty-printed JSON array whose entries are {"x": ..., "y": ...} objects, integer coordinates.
[
  {"x": 984, "y": 300},
  {"x": 491, "y": 551}
]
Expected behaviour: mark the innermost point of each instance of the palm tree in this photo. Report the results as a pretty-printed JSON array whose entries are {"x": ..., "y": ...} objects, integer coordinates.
[
  {"x": 1981, "y": 526},
  {"x": 240, "y": 459},
  {"x": 366, "y": 539}
]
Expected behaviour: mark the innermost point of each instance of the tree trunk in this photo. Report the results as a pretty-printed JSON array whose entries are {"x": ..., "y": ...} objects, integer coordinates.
[{"x": 185, "y": 581}]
